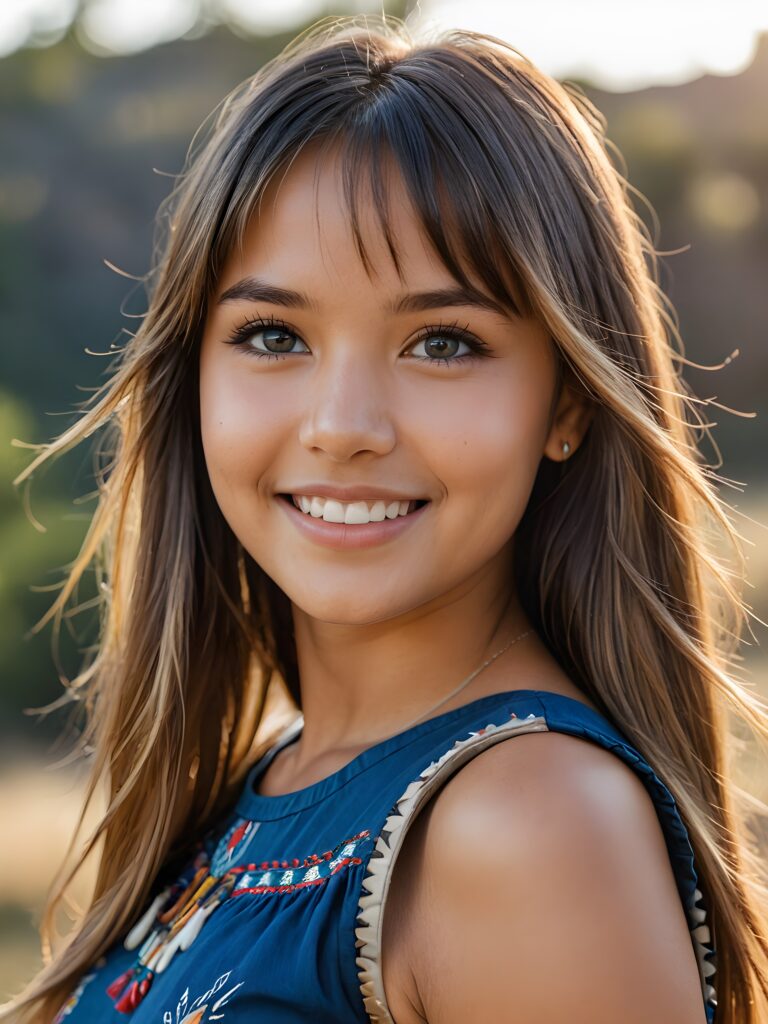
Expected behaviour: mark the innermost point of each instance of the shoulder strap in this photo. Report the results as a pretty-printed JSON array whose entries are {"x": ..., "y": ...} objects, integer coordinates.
[{"x": 562, "y": 715}]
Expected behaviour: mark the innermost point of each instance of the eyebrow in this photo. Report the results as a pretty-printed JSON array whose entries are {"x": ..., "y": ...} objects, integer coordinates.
[{"x": 252, "y": 289}]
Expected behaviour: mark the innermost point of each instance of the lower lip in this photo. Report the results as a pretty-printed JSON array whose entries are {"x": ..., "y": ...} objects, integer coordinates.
[{"x": 350, "y": 536}]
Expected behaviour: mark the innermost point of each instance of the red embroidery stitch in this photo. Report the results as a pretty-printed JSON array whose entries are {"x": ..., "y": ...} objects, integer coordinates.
[
  {"x": 296, "y": 885},
  {"x": 308, "y": 862}
]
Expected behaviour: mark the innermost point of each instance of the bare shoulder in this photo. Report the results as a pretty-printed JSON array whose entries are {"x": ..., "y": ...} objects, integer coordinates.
[{"x": 540, "y": 890}]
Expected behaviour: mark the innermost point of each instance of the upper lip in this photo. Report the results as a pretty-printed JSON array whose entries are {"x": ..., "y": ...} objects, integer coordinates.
[{"x": 349, "y": 493}]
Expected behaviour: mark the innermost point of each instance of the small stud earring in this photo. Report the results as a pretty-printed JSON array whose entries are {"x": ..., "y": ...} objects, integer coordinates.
[{"x": 566, "y": 447}]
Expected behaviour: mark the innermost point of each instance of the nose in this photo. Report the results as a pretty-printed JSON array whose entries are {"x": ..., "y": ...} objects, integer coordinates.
[{"x": 348, "y": 408}]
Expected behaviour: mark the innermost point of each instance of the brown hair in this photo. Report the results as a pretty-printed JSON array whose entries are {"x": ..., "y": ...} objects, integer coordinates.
[{"x": 512, "y": 176}]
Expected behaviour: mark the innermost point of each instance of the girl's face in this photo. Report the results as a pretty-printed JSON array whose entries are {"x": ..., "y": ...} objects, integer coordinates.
[{"x": 343, "y": 381}]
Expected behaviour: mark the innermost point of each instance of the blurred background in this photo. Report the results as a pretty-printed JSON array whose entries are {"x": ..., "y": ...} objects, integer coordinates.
[{"x": 99, "y": 100}]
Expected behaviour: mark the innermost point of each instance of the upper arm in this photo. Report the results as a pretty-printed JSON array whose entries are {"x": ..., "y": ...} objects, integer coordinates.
[{"x": 547, "y": 896}]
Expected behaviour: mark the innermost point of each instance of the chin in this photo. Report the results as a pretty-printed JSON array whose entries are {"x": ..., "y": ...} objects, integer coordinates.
[{"x": 349, "y": 609}]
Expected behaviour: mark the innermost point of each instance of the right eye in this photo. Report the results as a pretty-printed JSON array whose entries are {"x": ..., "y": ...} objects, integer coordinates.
[{"x": 277, "y": 337}]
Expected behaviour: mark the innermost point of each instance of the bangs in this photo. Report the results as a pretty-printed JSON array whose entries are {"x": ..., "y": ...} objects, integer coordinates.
[
  {"x": 474, "y": 147},
  {"x": 461, "y": 194},
  {"x": 461, "y": 234}
]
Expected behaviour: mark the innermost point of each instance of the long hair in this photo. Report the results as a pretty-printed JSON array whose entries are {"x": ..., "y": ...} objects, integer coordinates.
[{"x": 512, "y": 178}]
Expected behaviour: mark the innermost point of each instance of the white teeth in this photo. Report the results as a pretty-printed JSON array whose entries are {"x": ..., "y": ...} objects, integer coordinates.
[
  {"x": 333, "y": 512},
  {"x": 358, "y": 512},
  {"x": 351, "y": 512}
]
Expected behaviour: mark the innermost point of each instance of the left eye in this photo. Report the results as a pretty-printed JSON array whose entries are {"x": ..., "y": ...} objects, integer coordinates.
[
  {"x": 442, "y": 343},
  {"x": 277, "y": 340}
]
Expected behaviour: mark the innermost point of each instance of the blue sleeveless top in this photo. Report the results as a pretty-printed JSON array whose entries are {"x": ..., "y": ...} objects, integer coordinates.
[{"x": 277, "y": 916}]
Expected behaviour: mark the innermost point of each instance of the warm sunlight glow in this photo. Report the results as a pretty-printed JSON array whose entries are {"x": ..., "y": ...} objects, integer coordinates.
[{"x": 616, "y": 45}]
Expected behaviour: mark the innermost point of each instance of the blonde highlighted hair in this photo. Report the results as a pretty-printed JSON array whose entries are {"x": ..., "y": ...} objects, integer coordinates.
[{"x": 513, "y": 179}]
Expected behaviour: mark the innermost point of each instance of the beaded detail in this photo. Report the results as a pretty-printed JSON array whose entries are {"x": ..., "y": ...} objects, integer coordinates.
[
  {"x": 175, "y": 917},
  {"x": 313, "y": 870}
]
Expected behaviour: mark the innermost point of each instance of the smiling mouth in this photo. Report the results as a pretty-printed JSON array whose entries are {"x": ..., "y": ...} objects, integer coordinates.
[{"x": 380, "y": 511}]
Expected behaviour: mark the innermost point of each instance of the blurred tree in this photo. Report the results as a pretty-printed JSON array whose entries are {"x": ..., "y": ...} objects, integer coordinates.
[{"x": 29, "y": 560}]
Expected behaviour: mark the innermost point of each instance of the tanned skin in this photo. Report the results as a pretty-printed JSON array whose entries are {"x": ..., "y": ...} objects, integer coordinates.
[{"x": 535, "y": 887}]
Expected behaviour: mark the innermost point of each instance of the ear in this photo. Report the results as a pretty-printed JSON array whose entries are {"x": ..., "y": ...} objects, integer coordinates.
[{"x": 571, "y": 417}]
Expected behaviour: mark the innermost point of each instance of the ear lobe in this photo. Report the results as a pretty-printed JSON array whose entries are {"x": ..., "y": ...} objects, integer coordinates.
[{"x": 572, "y": 416}]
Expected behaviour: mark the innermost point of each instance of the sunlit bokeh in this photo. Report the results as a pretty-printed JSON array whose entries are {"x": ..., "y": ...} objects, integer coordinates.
[
  {"x": 617, "y": 45},
  {"x": 724, "y": 202},
  {"x": 114, "y": 26}
]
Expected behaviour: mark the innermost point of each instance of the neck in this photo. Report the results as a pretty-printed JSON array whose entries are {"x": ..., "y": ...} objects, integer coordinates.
[{"x": 362, "y": 683}]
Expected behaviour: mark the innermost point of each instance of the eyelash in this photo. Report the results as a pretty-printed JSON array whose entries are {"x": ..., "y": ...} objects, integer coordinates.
[{"x": 479, "y": 349}]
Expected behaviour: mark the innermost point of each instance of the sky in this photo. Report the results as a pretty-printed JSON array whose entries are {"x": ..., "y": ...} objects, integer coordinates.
[{"x": 617, "y": 44}]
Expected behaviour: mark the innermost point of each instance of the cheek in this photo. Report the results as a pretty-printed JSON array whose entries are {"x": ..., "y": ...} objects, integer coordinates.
[
  {"x": 488, "y": 451},
  {"x": 240, "y": 425}
]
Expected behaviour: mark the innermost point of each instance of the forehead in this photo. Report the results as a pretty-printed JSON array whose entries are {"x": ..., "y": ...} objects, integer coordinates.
[{"x": 303, "y": 222}]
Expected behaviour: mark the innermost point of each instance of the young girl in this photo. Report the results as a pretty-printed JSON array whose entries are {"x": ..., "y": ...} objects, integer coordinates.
[{"x": 402, "y": 437}]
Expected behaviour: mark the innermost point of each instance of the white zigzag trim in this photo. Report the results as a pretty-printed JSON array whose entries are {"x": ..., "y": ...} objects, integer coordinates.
[
  {"x": 697, "y": 917},
  {"x": 389, "y": 842}
]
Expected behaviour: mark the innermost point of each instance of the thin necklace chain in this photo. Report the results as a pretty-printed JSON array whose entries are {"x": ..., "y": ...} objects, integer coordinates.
[
  {"x": 465, "y": 682},
  {"x": 442, "y": 700}
]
